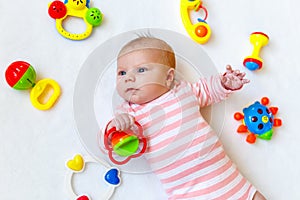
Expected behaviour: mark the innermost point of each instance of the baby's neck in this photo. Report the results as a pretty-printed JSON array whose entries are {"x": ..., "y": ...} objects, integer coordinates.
[{"x": 154, "y": 99}]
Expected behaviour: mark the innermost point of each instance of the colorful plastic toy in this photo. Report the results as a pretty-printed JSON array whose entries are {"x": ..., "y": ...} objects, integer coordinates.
[
  {"x": 77, "y": 165},
  {"x": 200, "y": 32},
  {"x": 76, "y": 8},
  {"x": 258, "y": 40},
  {"x": 125, "y": 144},
  {"x": 258, "y": 120},
  {"x": 20, "y": 75}
]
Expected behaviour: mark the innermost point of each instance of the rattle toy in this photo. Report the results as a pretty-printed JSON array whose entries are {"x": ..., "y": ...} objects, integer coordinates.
[
  {"x": 21, "y": 75},
  {"x": 200, "y": 32},
  {"x": 76, "y": 8},
  {"x": 258, "y": 120},
  {"x": 258, "y": 40},
  {"x": 77, "y": 165},
  {"x": 124, "y": 144}
]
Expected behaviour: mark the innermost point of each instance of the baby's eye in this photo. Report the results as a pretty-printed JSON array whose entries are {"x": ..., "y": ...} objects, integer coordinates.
[
  {"x": 121, "y": 73},
  {"x": 142, "y": 69}
]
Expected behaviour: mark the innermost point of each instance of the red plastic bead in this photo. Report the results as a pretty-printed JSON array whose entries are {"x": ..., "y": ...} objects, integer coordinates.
[
  {"x": 57, "y": 10},
  {"x": 15, "y": 71},
  {"x": 265, "y": 101},
  {"x": 238, "y": 116},
  {"x": 201, "y": 31},
  {"x": 251, "y": 138}
]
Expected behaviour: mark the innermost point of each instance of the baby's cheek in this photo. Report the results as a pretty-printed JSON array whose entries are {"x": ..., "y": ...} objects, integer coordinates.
[
  {"x": 119, "y": 81},
  {"x": 120, "y": 89}
]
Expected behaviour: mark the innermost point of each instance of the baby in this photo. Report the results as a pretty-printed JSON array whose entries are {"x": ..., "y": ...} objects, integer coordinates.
[{"x": 184, "y": 152}]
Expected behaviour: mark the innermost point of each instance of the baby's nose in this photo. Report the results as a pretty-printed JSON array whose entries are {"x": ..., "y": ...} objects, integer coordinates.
[{"x": 130, "y": 76}]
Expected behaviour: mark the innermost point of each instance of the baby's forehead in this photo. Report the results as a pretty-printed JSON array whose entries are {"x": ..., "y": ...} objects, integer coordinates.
[
  {"x": 145, "y": 43},
  {"x": 140, "y": 57},
  {"x": 158, "y": 50}
]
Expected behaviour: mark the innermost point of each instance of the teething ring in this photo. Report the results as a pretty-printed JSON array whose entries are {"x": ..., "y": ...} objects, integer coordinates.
[
  {"x": 77, "y": 165},
  {"x": 110, "y": 144},
  {"x": 76, "y": 8}
]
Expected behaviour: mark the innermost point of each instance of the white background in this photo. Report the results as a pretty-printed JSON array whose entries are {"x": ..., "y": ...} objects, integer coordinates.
[{"x": 34, "y": 145}]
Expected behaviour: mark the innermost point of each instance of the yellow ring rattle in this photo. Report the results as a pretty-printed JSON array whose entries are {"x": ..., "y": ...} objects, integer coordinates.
[
  {"x": 76, "y": 8},
  {"x": 200, "y": 32}
]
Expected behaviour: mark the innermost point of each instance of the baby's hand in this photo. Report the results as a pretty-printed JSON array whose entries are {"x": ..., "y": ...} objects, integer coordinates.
[
  {"x": 233, "y": 79},
  {"x": 122, "y": 122}
]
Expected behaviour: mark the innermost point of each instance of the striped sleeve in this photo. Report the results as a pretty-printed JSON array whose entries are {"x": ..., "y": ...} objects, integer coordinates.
[{"x": 209, "y": 90}]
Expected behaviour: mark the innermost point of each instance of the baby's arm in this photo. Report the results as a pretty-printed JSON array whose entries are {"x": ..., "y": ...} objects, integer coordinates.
[{"x": 217, "y": 88}]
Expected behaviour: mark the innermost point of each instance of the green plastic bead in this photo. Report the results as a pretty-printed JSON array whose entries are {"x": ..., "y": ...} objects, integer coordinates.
[
  {"x": 127, "y": 146},
  {"x": 94, "y": 16},
  {"x": 27, "y": 81}
]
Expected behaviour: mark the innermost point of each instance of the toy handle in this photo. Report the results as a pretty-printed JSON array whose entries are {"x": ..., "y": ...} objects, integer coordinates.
[
  {"x": 112, "y": 130},
  {"x": 199, "y": 7},
  {"x": 108, "y": 146}
]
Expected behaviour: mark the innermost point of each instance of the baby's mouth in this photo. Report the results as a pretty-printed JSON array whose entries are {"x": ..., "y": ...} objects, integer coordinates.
[{"x": 131, "y": 90}]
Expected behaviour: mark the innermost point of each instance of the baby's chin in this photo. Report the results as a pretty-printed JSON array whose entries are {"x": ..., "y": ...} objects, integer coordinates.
[{"x": 136, "y": 99}]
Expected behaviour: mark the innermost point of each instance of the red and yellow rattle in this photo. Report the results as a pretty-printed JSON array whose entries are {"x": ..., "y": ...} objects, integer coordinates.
[
  {"x": 254, "y": 61},
  {"x": 125, "y": 143},
  {"x": 20, "y": 75},
  {"x": 76, "y": 8},
  {"x": 200, "y": 32}
]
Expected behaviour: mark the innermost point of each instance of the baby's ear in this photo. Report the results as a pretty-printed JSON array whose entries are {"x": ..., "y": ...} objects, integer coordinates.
[{"x": 170, "y": 77}]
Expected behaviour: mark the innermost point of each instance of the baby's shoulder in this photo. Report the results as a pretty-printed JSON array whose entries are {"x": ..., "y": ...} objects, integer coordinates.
[{"x": 182, "y": 85}]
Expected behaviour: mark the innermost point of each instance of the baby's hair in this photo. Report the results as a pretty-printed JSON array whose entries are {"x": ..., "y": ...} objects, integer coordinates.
[
  {"x": 147, "y": 41},
  {"x": 144, "y": 34}
]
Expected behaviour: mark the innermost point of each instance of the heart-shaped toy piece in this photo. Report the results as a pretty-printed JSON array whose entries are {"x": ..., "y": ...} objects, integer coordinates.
[
  {"x": 76, "y": 164},
  {"x": 112, "y": 177},
  {"x": 83, "y": 197}
]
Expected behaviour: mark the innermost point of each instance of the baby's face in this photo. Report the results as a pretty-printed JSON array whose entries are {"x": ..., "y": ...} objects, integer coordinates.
[{"x": 142, "y": 75}]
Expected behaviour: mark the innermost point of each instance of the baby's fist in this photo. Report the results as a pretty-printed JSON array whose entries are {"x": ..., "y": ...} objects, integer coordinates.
[
  {"x": 233, "y": 79},
  {"x": 122, "y": 122}
]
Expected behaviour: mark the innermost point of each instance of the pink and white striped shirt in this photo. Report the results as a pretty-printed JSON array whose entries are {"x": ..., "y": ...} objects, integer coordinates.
[{"x": 184, "y": 151}]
